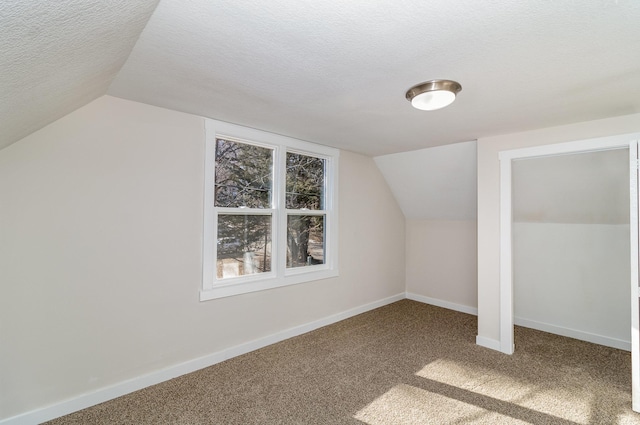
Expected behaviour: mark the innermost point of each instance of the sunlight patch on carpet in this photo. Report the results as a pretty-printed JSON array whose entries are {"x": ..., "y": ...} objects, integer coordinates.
[
  {"x": 549, "y": 400},
  {"x": 407, "y": 405},
  {"x": 627, "y": 418},
  {"x": 476, "y": 379}
]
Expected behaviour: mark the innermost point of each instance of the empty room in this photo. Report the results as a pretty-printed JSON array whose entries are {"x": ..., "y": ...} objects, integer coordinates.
[{"x": 365, "y": 212}]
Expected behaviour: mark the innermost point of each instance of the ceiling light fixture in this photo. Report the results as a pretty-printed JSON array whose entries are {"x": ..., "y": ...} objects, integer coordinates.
[{"x": 433, "y": 94}]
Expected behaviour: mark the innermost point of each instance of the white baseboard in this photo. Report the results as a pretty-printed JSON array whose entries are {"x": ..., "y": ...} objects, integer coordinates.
[
  {"x": 444, "y": 304},
  {"x": 493, "y": 344},
  {"x": 545, "y": 327},
  {"x": 108, "y": 393},
  {"x": 558, "y": 330},
  {"x": 480, "y": 340},
  {"x": 573, "y": 333}
]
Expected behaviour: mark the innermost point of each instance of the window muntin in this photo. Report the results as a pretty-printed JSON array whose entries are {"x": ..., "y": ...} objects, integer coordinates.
[{"x": 273, "y": 214}]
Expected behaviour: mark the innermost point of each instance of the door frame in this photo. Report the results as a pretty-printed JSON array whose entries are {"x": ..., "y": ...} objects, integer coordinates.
[{"x": 628, "y": 141}]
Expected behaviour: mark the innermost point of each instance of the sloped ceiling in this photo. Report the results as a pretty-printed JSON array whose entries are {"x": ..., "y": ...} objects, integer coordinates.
[
  {"x": 586, "y": 188},
  {"x": 58, "y": 55},
  {"x": 331, "y": 72},
  {"x": 436, "y": 183}
]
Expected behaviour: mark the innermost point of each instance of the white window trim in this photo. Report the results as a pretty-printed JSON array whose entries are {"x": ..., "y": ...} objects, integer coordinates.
[{"x": 279, "y": 275}]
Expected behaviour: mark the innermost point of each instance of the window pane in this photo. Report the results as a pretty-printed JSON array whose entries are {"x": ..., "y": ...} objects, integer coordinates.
[
  {"x": 305, "y": 182},
  {"x": 243, "y": 176},
  {"x": 244, "y": 245},
  {"x": 305, "y": 240}
]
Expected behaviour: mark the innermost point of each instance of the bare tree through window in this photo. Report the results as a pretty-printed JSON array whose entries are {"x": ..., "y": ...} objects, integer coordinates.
[
  {"x": 305, "y": 192},
  {"x": 243, "y": 179},
  {"x": 243, "y": 186}
]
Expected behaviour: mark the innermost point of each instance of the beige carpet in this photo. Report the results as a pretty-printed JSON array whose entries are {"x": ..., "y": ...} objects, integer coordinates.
[{"x": 406, "y": 363}]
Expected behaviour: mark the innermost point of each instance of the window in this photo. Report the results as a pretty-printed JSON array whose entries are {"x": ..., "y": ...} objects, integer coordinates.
[
  {"x": 304, "y": 198},
  {"x": 270, "y": 211},
  {"x": 243, "y": 176}
]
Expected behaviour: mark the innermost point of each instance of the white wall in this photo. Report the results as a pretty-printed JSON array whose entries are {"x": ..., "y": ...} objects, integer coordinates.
[
  {"x": 588, "y": 187},
  {"x": 442, "y": 262},
  {"x": 573, "y": 280},
  {"x": 436, "y": 189},
  {"x": 100, "y": 252},
  {"x": 571, "y": 245},
  {"x": 489, "y": 202}
]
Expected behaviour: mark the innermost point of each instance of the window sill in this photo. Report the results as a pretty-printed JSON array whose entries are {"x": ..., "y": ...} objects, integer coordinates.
[{"x": 237, "y": 288}]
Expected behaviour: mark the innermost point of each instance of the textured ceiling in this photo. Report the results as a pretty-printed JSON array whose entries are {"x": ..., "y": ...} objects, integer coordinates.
[
  {"x": 58, "y": 55},
  {"x": 335, "y": 72},
  {"x": 331, "y": 72}
]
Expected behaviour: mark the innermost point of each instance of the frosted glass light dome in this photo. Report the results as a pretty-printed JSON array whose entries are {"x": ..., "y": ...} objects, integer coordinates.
[{"x": 433, "y": 94}]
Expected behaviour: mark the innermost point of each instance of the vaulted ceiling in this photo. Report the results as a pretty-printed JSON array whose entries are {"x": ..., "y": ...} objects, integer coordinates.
[
  {"x": 58, "y": 55},
  {"x": 330, "y": 72}
]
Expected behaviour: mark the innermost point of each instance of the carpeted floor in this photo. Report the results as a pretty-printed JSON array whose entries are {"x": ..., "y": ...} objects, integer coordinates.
[{"x": 406, "y": 363}]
